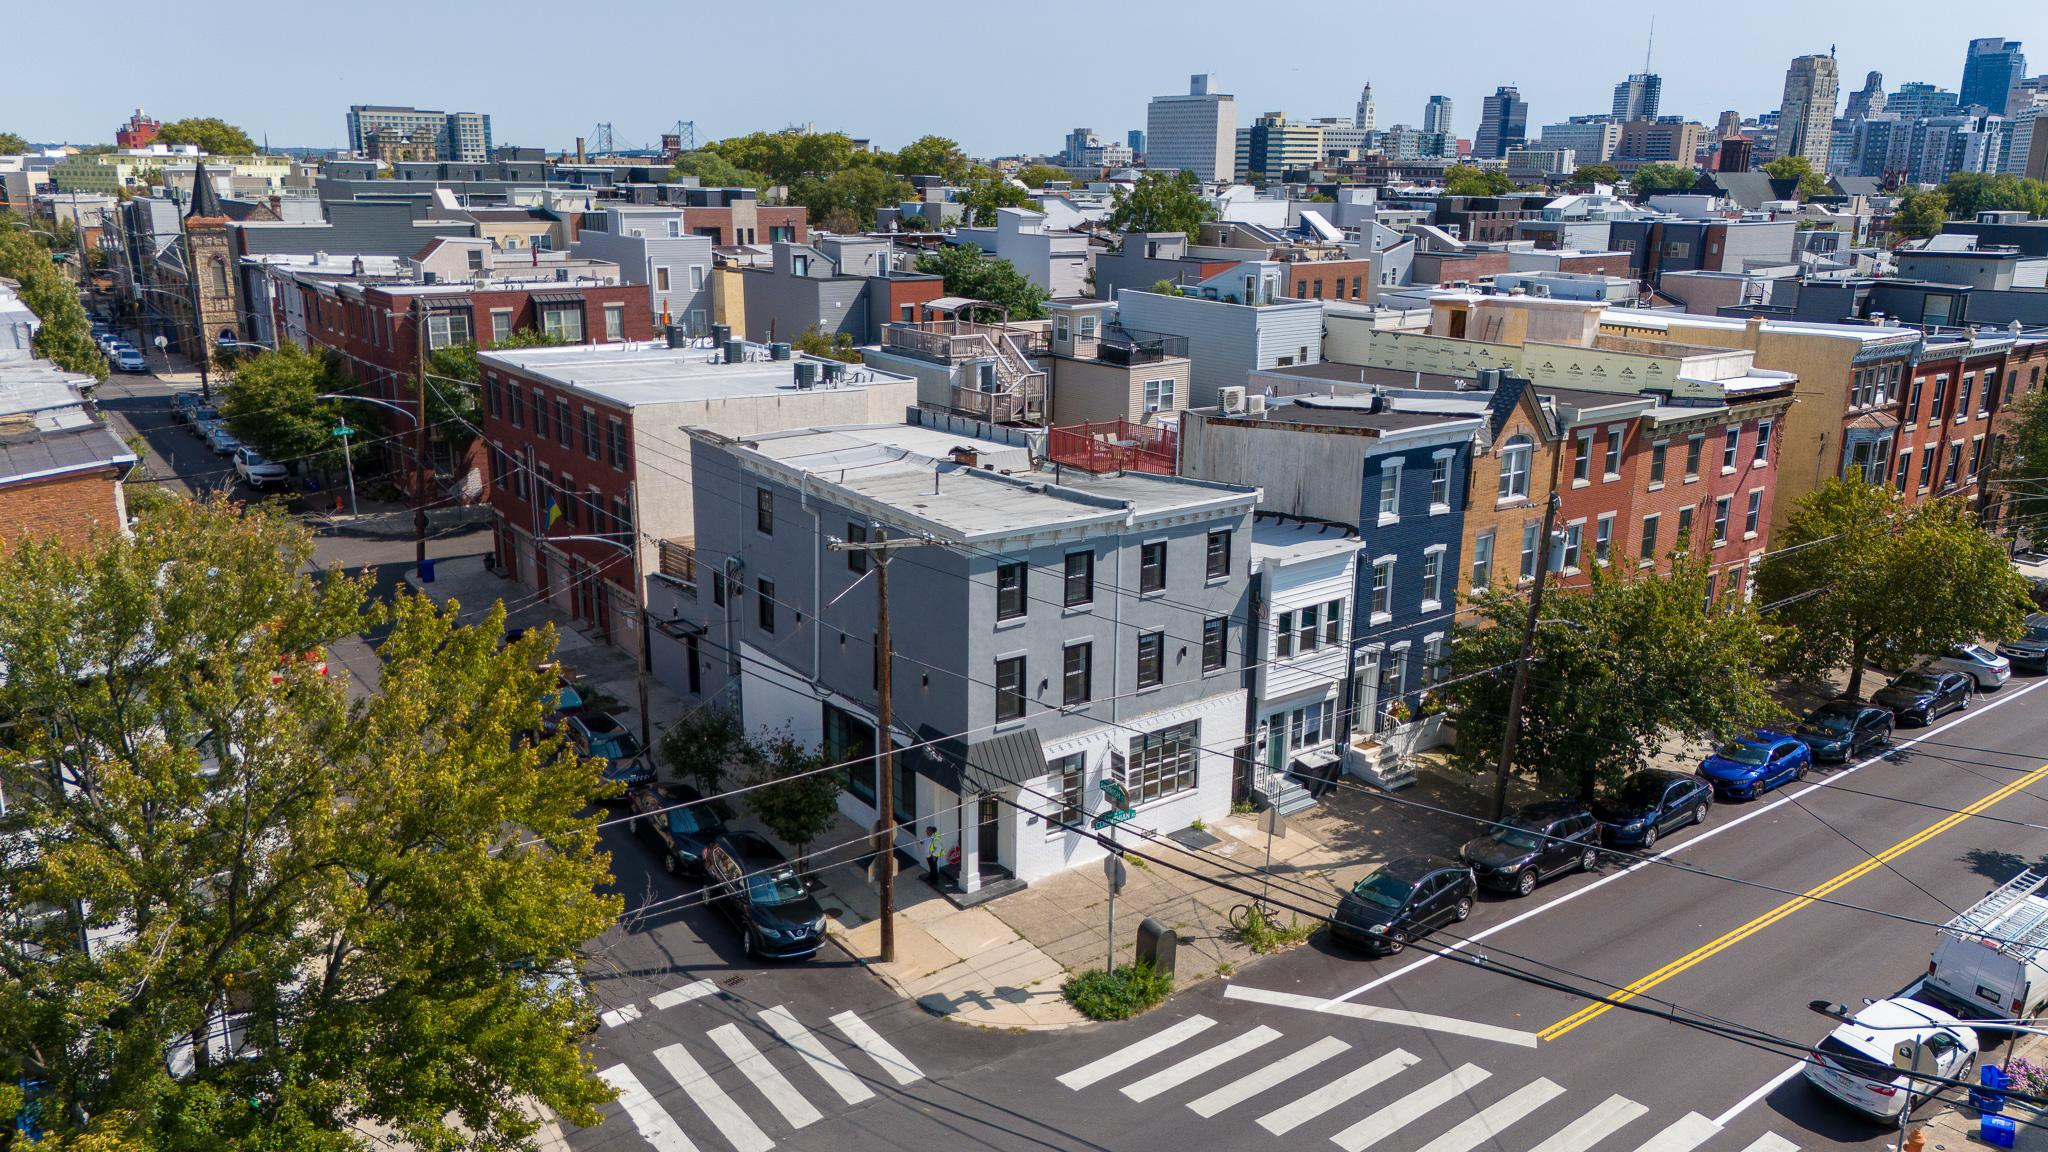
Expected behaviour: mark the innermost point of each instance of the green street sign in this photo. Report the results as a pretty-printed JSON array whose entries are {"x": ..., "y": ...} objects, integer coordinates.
[
  {"x": 1116, "y": 793},
  {"x": 1113, "y": 816},
  {"x": 344, "y": 430}
]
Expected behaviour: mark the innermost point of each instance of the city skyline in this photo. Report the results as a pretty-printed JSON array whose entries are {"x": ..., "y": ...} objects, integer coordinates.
[{"x": 1707, "y": 64}]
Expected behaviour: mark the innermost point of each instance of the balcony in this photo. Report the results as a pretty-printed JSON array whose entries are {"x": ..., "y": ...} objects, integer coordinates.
[
  {"x": 1131, "y": 347},
  {"x": 1022, "y": 404},
  {"x": 679, "y": 563},
  {"x": 1115, "y": 446},
  {"x": 953, "y": 341}
]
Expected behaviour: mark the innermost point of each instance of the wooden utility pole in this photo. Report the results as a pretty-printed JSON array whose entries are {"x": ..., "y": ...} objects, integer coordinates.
[
  {"x": 419, "y": 437},
  {"x": 1513, "y": 728}
]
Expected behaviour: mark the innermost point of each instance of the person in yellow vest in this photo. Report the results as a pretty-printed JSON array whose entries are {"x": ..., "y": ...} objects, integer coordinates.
[{"x": 934, "y": 852}]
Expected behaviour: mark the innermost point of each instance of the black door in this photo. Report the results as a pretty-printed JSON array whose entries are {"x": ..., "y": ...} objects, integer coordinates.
[
  {"x": 1437, "y": 902},
  {"x": 988, "y": 836}
]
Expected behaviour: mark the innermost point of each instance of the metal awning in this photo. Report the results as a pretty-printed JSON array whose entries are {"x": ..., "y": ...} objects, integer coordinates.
[
  {"x": 1011, "y": 758},
  {"x": 558, "y": 298},
  {"x": 950, "y": 303}
]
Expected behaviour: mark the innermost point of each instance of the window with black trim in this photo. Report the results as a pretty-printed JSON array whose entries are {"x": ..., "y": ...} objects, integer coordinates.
[
  {"x": 1077, "y": 674},
  {"x": 1010, "y": 688},
  {"x": 1215, "y": 643},
  {"x": 764, "y": 511},
  {"x": 1080, "y": 578},
  {"x": 1152, "y": 566},
  {"x": 1151, "y": 659},
  {"x": 764, "y": 609},
  {"x": 1012, "y": 589},
  {"x": 1219, "y": 553},
  {"x": 856, "y": 558}
]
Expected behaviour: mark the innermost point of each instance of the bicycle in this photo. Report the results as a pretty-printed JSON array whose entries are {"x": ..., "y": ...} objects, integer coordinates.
[{"x": 1241, "y": 915}]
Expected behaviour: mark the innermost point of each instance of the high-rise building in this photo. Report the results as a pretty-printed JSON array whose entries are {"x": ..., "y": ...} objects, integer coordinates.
[
  {"x": 1087, "y": 150},
  {"x": 1592, "y": 139},
  {"x": 2027, "y": 151},
  {"x": 1734, "y": 155},
  {"x": 1503, "y": 124},
  {"x": 1868, "y": 100},
  {"x": 1637, "y": 97},
  {"x": 375, "y": 128},
  {"x": 1193, "y": 133},
  {"x": 1362, "y": 118},
  {"x": 1436, "y": 115},
  {"x": 1991, "y": 68},
  {"x": 1730, "y": 124},
  {"x": 1136, "y": 139},
  {"x": 1806, "y": 116},
  {"x": 1274, "y": 145},
  {"x": 1667, "y": 140},
  {"x": 1919, "y": 101}
]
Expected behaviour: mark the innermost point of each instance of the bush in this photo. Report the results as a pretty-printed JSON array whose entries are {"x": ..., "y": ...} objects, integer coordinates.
[
  {"x": 1117, "y": 995},
  {"x": 1262, "y": 935}
]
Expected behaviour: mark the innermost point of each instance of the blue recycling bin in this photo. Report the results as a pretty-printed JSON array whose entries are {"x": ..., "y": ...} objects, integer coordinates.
[
  {"x": 1997, "y": 1131},
  {"x": 427, "y": 571}
]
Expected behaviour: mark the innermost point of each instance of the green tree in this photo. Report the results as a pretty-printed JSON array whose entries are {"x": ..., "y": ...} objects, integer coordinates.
[
  {"x": 272, "y": 403},
  {"x": 1972, "y": 192},
  {"x": 987, "y": 190},
  {"x": 1651, "y": 179},
  {"x": 970, "y": 272},
  {"x": 931, "y": 156},
  {"x": 1166, "y": 287},
  {"x": 386, "y": 897},
  {"x": 64, "y": 335},
  {"x": 1466, "y": 180},
  {"x": 1920, "y": 213},
  {"x": 847, "y": 200},
  {"x": 214, "y": 136},
  {"x": 1862, "y": 578},
  {"x": 1160, "y": 202},
  {"x": 800, "y": 802},
  {"x": 703, "y": 745},
  {"x": 838, "y": 346},
  {"x": 2020, "y": 497},
  {"x": 785, "y": 156},
  {"x": 452, "y": 409},
  {"x": 1811, "y": 181},
  {"x": 713, "y": 170},
  {"x": 1039, "y": 175},
  {"x": 1621, "y": 665},
  {"x": 1596, "y": 174},
  {"x": 12, "y": 145}
]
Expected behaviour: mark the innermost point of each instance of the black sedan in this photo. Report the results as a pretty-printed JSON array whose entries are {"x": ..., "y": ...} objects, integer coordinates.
[
  {"x": 1534, "y": 843},
  {"x": 1841, "y": 730},
  {"x": 1650, "y": 804},
  {"x": 681, "y": 823},
  {"x": 754, "y": 885},
  {"x": 2028, "y": 652},
  {"x": 1405, "y": 899},
  {"x": 1923, "y": 697}
]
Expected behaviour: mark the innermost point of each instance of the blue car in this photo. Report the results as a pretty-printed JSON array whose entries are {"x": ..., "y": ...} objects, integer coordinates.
[{"x": 1752, "y": 766}]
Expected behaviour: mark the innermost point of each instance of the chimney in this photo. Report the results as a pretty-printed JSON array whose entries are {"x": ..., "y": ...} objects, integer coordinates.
[
  {"x": 1753, "y": 330},
  {"x": 579, "y": 150},
  {"x": 965, "y": 457}
]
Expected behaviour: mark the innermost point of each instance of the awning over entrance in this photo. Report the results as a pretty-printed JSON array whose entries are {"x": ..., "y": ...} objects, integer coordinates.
[{"x": 1010, "y": 758}]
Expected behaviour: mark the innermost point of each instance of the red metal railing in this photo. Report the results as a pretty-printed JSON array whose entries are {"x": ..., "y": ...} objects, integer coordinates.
[{"x": 1115, "y": 446}]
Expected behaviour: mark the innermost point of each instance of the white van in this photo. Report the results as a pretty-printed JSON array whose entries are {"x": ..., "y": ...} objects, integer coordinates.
[{"x": 1989, "y": 962}]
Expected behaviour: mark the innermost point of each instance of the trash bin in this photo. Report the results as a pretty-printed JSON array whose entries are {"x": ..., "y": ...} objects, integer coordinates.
[
  {"x": 427, "y": 571},
  {"x": 1991, "y": 1097},
  {"x": 1997, "y": 1131}
]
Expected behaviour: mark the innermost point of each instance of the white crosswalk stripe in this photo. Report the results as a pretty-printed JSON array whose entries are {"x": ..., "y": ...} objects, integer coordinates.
[
  {"x": 1409, "y": 1108},
  {"x": 684, "y": 994},
  {"x": 764, "y": 1075},
  {"x": 881, "y": 1051},
  {"x": 656, "y": 1126},
  {"x": 1771, "y": 1142},
  {"x": 1603, "y": 1120},
  {"x": 739, "y": 1129},
  {"x": 1193, "y": 1066},
  {"x": 828, "y": 1066},
  {"x": 1684, "y": 1136},
  {"x": 1131, "y": 1054},
  {"x": 1292, "y": 1115},
  {"x": 1489, "y": 1122},
  {"x": 1278, "y": 1072}
]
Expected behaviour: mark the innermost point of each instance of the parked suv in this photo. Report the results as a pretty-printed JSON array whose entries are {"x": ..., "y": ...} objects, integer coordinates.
[
  {"x": 1534, "y": 843},
  {"x": 681, "y": 823},
  {"x": 600, "y": 734},
  {"x": 1404, "y": 900},
  {"x": 1650, "y": 804},
  {"x": 754, "y": 885},
  {"x": 1854, "y": 1064},
  {"x": 2028, "y": 652}
]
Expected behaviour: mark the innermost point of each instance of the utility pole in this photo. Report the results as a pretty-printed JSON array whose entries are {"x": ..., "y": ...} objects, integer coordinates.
[
  {"x": 419, "y": 446},
  {"x": 1513, "y": 728},
  {"x": 632, "y": 543}
]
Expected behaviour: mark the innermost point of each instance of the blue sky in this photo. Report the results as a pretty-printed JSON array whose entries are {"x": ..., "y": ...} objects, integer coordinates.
[{"x": 999, "y": 78}]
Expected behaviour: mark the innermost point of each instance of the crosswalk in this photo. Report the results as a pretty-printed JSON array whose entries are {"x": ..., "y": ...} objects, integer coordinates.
[
  {"x": 1364, "y": 1100},
  {"x": 737, "y": 1090}
]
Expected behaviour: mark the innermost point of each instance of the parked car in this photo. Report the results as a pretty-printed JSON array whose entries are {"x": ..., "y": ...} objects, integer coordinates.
[
  {"x": 1404, "y": 900},
  {"x": 1841, "y": 730},
  {"x": 1921, "y": 697},
  {"x": 681, "y": 823},
  {"x": 601, "y": 734},
  {"x": 1748, "y": 768},
  {"x": 126, "y": 359},
  {"x": 185, "y": 404},
  {"x": 1854, "y": 1063},
  {"x": 1981, "y": 664},
  {"x": 1534, "y": 843},
  {"x": 563, "y": 701},
  {"x": 1650, "y": 804},
  {"x": 203, "y": 415},
  {"x": 2028, "y": 652},
  {"x": 221, "y": 440},
  {"x": 108, "y": 341},
  {"x": 255, "y": 469},
  {"x": 758, "y": 890}
]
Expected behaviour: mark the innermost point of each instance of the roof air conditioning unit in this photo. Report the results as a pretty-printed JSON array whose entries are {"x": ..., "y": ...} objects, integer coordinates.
[
  {"x": 1232, "y": 399},
  {"x": 1255, "y": 403}
]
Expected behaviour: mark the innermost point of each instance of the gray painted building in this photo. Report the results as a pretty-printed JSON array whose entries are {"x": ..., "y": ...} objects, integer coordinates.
[
  {"x": 651, "y": 247},
  {"x": 1227, "y": 342}
]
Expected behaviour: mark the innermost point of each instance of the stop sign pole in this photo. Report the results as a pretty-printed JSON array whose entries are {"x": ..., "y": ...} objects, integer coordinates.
[{"x": 1113, "y": 868}]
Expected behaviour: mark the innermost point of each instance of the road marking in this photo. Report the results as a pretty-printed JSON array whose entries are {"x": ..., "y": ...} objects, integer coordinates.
[
  {"x": 1684, "y": 1136},
  {"x": 1769, "y": 1086},
  {"x": 822, "y": 1061},
  {"x": 1496, "y": 1117},
  {"x": 1285, "y": 1068},
  {"x": 618, "y": 1016},
  {"x": 739, "y": 1129},
  {"x": 1607, "y": 1117},
  {"x": 1130, "y": 1054},
  {"x": 1300, "y": 1111},
  {"x": 683, "y": 995},
  {"x": 1407, "y": 1109},
  {"x": 1400, "y": 1016},
  {"x": 656, "y": 1126},
  {"x": 1698, "y": 837},
  {"x": 1771, "y": 1142},
  {"x": 895, "y": 1063},
  {"x": 1735, "y": 936},
  {"x": 765, "y": 1076},
  {"x": 1199, "y": 1063}
]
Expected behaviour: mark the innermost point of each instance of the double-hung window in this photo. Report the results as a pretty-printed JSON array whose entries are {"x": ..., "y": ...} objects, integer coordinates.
[
  {"x": 1482, "y": 559},
  {"x": 1010, "y": 688},
  {"x": 1077, "y": 674},
  {"x": 1151, "y": 659},
  {"x": 1582, "y": 456},
  {"x": 1531, "y": 533},
  {"x": 1390, "y": 491},
  {"x": 1383, "y": 587},
  {"x": 1152, "y": 566},
  {"x": 1731, "y": 447},
  {"x": 1753, "y": 516},
  {"x": 1649, "y": 544},
  {"x": 1432, "y": 579},
  {"x": 1080, "y": 578},
  {"x": 1514, "y": 468},
  {"x": 1440, "y": 484},
  {"x": 1721, "y": 519},
  {"x": 1215, "y": 643},
  {"x": 1012, "y": 590},
  {"x": 1611, "y": 465},
  {"x": 1218, "y": 557}
]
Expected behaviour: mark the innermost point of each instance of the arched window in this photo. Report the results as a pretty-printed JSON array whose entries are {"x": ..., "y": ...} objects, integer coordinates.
[
  {"x": 1515, "y": 457},
  {"x": 217, "y": 276}
]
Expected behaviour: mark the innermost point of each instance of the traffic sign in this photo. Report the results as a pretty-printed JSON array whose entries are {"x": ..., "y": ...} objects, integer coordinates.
[
  {"x": 1116, "y": 794},
  {"x": 1272, "y": 822},
  {"x": 1113, "y": 816},
  {"x": 344, "y": 431},
  {"x": 1114, "y": 870}
]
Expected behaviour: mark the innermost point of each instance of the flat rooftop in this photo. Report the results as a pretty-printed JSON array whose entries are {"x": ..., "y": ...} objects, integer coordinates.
[
  {"x": 1348, "y": 413},
  {"x": 651, "y": 372},
  {"x": 1277, "y": 541},
  {"x": 1865, "y": 333}
]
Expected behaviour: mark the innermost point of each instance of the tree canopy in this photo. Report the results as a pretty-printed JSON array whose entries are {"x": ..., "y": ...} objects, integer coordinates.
[
  {"x": 2021, "y": 494},
  {"x": 365, "y": 912},
  {"x": 1596, "y": 174},
  {"x": 1160, "y": 202},
  {"x": 12, "y": 145},
  {"x": 1969, "y": 193},
  {"x": 272, "y": 403},
  {"x": 968, "y": 271},
  {"x": 1861, "y": 577},
  {"x": 987, "y": 190},
  {"x": 800, "y": 801},
  {"x": 1466, "y": 180},
  {"x": 1039, "y": 175},
  {"x": 1811, "y": 181},
  {"x": 1620, "y": 665},
  {"x": 847, "y": 201},
  {"x": 930, "y": 156},
  {"x": 713, "y": 170},
  {"x": 1651, "y": 179},
  {"x": 1920, "y": 213},
  {"x": 213, "y": 135},
  {"x": 64, "y": 335}
]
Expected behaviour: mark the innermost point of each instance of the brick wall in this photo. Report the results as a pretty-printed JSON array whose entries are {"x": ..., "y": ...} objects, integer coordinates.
[{"x": 69, "y": 508}]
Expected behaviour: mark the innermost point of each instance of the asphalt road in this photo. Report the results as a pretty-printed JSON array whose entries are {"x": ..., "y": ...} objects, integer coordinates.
[{"x": 1425, "y": 1053}]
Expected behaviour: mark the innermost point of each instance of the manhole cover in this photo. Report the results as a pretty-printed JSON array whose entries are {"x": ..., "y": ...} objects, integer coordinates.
[{"x": 731, "y": 981}]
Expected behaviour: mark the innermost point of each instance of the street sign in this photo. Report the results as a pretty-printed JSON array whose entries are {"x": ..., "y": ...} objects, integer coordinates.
[
  {"x": 1115, "y": 871},
  {"x": 344, "y": 431},
  {"x": 1116, "y": 794},
  {"x": 1113, "y": 816},
  {"x": 1272, "y": 822}
]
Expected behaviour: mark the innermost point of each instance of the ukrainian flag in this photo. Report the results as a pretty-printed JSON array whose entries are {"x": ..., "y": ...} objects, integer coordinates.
[{"x": 554, "y": 511}]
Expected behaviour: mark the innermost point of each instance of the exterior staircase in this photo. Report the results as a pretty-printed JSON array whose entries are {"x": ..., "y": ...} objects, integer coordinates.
[{"x": 1282, "y": 791}]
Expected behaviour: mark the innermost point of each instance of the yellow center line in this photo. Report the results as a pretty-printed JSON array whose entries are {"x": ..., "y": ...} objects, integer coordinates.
[{"x": 1812, "y": 895}]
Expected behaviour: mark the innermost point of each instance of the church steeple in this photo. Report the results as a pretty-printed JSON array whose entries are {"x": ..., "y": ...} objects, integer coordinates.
[{"x": 205, "y": 202}]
